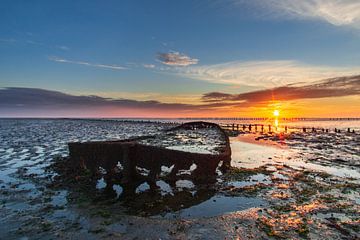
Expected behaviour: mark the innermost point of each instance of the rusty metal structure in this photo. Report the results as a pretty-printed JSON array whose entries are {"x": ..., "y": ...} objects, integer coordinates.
[{"x": 132, "y": 155}]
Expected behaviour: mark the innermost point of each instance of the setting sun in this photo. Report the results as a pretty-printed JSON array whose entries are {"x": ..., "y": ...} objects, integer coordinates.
[{"x": 276, "y": 113}]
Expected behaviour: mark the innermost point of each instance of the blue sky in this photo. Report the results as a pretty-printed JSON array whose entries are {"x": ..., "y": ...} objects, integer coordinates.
[{"x": 113, "y": 48}]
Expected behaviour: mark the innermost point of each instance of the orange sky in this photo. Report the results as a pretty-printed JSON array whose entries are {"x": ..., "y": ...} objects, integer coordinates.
[{"x": 327, "y": 107}]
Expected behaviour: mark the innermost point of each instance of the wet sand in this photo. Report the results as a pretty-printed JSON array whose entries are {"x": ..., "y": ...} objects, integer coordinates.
[{"x": 299, "y": 186}]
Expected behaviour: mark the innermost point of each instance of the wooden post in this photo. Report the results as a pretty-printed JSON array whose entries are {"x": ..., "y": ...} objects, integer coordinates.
[
  {"x": 262, "y": 128},
  {"x": 304, "y": 130},
  {"x": 286, "y": 129},
  {"x": 269, "y": 128},
  {"x": 250, "y": 127}
]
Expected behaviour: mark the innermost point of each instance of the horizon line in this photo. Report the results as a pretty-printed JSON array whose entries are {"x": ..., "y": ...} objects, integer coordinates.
[{"x": 195, "y": 118}]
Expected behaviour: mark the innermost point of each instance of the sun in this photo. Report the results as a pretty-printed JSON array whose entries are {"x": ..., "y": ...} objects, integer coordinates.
[{"x": 276, "y": 113}]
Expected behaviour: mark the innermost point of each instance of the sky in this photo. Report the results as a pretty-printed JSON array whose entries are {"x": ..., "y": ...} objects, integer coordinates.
[{"x": 189, "y": 58}]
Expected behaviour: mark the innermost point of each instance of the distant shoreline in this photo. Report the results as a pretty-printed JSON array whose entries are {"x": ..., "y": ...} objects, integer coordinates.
[{"x": 195, "y": 119}]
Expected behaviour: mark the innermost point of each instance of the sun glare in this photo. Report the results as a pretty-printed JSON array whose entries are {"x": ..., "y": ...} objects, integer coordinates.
[{"x": 276, "y": 113}]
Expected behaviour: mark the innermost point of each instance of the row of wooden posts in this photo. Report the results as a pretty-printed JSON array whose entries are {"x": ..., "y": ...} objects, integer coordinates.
[
  {"x": 256, "y": 127},
  {"x": 262, "y": 128}
]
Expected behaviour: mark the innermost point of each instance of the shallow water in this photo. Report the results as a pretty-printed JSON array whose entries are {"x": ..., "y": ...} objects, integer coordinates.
[
  {"x": 218, "y": 205},
  {"x": 27, "y": 147},
  {"x": 254, "y": 155}
]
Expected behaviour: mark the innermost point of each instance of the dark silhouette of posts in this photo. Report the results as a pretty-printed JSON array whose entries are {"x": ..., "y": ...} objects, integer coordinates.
[
  {"x": 286, "y": 129},
  {"x": 269, "y": 128},
  {"x": 304, "y": 130},
  {"x": 262, "y": 128},
  {"x": 250, "y": 127}
]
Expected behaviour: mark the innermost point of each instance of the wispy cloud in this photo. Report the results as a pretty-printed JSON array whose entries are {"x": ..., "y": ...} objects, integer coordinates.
[
  {"x": 34, "y": 43},
  {"x": 334, "y": 87},
  {"x": 176, "y": 59},
  {"x": 8, "y": 40},
  {"x": 148, "y": 65},
  {"x": 263, "y": 73},
  {"x": 65, "y": 48},
  {"x": 97, "y": 65},
  {"x": 335, "y": 12}
]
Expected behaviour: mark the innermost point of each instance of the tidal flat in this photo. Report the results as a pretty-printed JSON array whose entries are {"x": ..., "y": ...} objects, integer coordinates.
[{"x": 295, "y": 185}]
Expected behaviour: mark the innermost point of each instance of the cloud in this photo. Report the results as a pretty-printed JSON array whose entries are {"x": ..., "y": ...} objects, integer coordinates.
[
  {"x": 65, "y": 48},
  {"x": 263, "y": 73},
  {"x": 148, "y": 65},
  {"x": 35, "y": 102},
  {"x": 33, "y": 43},
  {"x": 8, "y": 40},
  {"x": 334, "y": 87},
  {"x": 16, "y": 101},
  {"x": 106, "y": 66},
  {"x": 335, "y": 12},
  {"x": 176, "y": 59},
  {"x": 41, "y": 98}
]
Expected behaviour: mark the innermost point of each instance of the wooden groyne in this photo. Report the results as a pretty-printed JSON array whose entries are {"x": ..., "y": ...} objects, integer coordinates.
[{"x": 269, "y": 128}]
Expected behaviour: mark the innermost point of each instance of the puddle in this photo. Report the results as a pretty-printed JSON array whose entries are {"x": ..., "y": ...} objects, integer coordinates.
[
  {"x": 252, "y": 180},
  {"x": 142, "y": 188},
  {"x": 164, "y": 188},
  {"x": 101, "y": 184},
  {"x": 253, "y": 155},
  {"x": 118, "y": 189},
  {"x": 218, "y": 205},
  {"x": 59, "y": 199}
]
